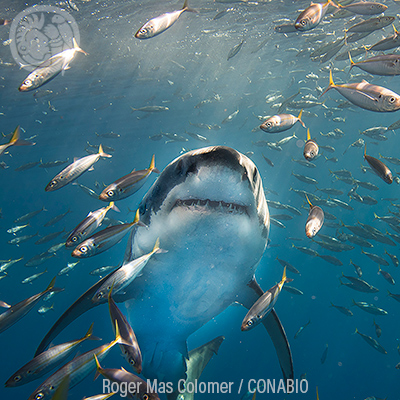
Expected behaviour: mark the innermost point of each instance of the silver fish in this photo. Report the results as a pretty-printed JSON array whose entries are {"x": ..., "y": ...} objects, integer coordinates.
[
  {"x": 315, "y": 220},
  {"x": 128, "y": 184},
  {"x": 367, "y": 96},
  {"x": 50, "y": 68},
  {"x": 311, "y": 148},
  {"x": 19, "y": 310},
  {"x": 263, "y": 305},
  {"x": 161, "y": 23},
  {"x": 74, "y": 170}
]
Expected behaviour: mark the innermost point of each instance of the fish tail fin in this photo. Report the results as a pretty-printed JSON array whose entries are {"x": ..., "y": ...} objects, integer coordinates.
[
  {"x": 380, "y": 155},
  {"x": 396, "y": 32},
  {"x": 331, "y": 83},
  {"x": 136, "y": 220},
  {"x": 308, "y": 134},
  {"x": 98, "y": 367},
  {"x": 112, "y": 206},
  {"x": 51, "y": 285},
  {"x": 308, "y": 200},
  {"x": 187, "y": 8},
  {"x": 299, "y": 118},
  {"x": 352, "y": 63},
  {"x": 102, "y": 154},
  {"x": 15, "y": 136},
  {"x": 77, "y": 48},
  {"x": 156, "y": 246},
  {"x": 152, "y": 166},
  {"x": 133, "y": 109},
  {"x": 365, "y": 150},
  {"x": 317, "y": 394},
  {"x": 389, "y": 294},
  {"x": 376, "y": 216},
  {"x": 89, "y": 334},
  {"x": 283, "y": 280}
]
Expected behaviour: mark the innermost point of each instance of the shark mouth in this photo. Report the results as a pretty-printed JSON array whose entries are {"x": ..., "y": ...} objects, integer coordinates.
[{"x": 211, "y": 205}]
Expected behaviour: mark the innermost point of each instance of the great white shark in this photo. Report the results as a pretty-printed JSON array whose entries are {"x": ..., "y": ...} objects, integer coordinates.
[{"x": 209, "y": 211}]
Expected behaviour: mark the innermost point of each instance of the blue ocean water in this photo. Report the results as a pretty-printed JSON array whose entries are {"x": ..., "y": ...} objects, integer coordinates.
[{"x": 179, "y": 69}]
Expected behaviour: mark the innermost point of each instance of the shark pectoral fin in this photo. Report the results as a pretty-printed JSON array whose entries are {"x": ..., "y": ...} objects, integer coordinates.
[
  {"x": 274, "y": 329},
  {"x": 282, "y": 347},
  {"x": 83, "y": 304}
]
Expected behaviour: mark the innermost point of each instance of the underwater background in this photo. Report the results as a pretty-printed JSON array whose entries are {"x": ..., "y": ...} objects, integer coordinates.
[{"x": 179, "y": 69}]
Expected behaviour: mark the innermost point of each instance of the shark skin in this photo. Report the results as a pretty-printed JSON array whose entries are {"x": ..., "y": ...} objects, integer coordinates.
[{"x": 209, "y": 211}]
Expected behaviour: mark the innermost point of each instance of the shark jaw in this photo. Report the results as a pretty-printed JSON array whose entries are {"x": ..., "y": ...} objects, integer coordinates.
[{"x": 212, "y": 195}]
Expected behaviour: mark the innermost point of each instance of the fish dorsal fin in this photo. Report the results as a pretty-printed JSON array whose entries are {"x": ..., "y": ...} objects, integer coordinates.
[{"x": 308, "y": 134}]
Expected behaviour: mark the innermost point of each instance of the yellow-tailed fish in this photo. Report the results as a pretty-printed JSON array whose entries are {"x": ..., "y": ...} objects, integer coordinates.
[
  {"x": 262, "y": 307},
  {"x": 131, "y": 353},
  {"x": 74, "y": 170},
  {"x": 281, "y": 122},
  {"x": 379, "y": 167},
  {"x": 123, "y": 276},
  {"x": 128, "y": 184},
  {"x": 365, "y": 8},
  {"x": 105, "y": 239},
  {"x": 89, "y": 225},
  {"x": 315, "y": 220},
  {"x": 312, "y": 15},
  {"x": 385, "y": 65},
  {"x": 46, "y": 361},
  {"x": 77, "y": 369},
  {"x": 50, "y": 68},
  {"x": 161, "y": 23},
  {"x": 139, "y": 388},
  {"x": 367, "y": 96},
  {"x": 17, "y": 311},
  {"x": 311, "y": 148}
]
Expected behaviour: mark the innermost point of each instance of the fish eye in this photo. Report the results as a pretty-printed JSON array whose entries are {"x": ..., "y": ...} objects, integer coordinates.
[
  {"x": 17, "y": 378},
  {"x": 249, "y": 322},
  {"x": 99, "y": 295},
  {"x": 53, "y": 183},
  {"x": 131, "y": 361},
  {"x": 268, "y": 124},
  {"x": 28, "y": 82},
  {"x": 110, "y": 193},
  {"x": 303, "y": 22},
  {"x": 39, "y": 396},
  {"x": 74, "y": 239},
  {"x": 312, "y": 153},
  {"x": 83, "y": 249},
  {"x": 392, "y": 100}
]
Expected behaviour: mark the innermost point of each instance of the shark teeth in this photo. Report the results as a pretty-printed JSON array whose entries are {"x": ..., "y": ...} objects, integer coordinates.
[{"x": 207, "y": 204}]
